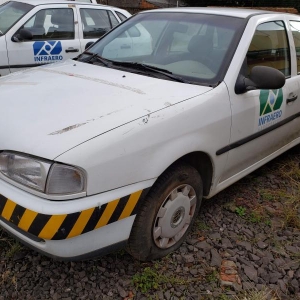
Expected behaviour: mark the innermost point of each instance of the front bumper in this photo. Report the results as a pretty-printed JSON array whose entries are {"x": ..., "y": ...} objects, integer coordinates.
[{"x": 71, "y": 228}]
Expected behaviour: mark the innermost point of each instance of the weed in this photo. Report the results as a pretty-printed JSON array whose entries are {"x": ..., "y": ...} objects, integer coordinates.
[
  {"x": 254, "y": 294},
  {"x": 201, "y": 225},
  {"x": 241, "y": 211},
  {"x": 7, "y": 277},
  {"x": 14, "y": 248},
  {"x": 266, "y": 195},
  {"x": 255, "y": 217},
  {"x": 268, "y": 222},
  {"x": 150, "y": 278},
  {"x": 224, "y": 297},
  {"x": 213, "y": 276}
]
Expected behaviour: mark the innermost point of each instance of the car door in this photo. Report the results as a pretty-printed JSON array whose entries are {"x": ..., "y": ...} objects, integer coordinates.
[
  {"x": 4, "y": 68},
  {"x": 94, "y": 22},
  {"x": 54, "y": 30},
  {"x": 263, "y": 121}
]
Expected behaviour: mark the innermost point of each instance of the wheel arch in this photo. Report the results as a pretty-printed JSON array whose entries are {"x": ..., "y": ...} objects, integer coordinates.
[{"x": 202, "y": 162}]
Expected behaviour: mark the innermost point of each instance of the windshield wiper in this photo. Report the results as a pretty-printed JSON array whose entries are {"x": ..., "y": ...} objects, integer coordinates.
[
  {"x": 141, "y": 66},
  {"x": 97, "y": 57}
]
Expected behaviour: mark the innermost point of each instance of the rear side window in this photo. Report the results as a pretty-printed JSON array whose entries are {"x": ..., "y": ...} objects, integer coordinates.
[
  {"x": 295, "y": 27},
  {"x": 269, "y": 47},
  {"x": 96, "y": 22}
]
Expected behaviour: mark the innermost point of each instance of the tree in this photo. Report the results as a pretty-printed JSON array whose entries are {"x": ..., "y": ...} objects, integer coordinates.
[{"x": 246, "y": 3}]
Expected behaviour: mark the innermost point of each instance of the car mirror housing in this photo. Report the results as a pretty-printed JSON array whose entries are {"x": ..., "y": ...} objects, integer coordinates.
[
  {"x": 88, "y": 45},
  {"x": 22, "y": 35},
  {"x": 261, "y": 77}
]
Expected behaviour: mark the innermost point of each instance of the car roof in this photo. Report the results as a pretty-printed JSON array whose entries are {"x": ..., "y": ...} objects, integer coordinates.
[
  {"x": 224, "y": 11},
  {"x": 43, "y": 2}
]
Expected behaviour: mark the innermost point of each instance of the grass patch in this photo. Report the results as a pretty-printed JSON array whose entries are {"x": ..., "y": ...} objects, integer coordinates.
[
  {"x": 275, "y": 194},
  {"x": 254, "y": 294},
  {"x": 8, "y": 277},
  {"x": 152, "y": 278}
]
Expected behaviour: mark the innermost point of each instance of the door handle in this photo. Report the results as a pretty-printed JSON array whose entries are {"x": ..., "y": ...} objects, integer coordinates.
[
  {"x": 292, "y": 99},
  {"x": 71, "y": 50}
]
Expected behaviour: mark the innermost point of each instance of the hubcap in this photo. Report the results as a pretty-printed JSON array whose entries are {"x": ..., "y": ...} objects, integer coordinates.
[{"x": 174, "y": 216}]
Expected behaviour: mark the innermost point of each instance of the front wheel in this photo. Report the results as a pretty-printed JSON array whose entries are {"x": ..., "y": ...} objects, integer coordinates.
[{"x": 167, "y": 213}]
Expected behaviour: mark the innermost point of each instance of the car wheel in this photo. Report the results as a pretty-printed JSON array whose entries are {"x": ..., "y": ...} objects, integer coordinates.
[{"x": 166, "y": 214}]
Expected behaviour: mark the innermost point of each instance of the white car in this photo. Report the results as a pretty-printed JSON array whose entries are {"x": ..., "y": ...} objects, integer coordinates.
[
  {"x": 36, "y": 32},
  {"x": 119, "y": 148}
]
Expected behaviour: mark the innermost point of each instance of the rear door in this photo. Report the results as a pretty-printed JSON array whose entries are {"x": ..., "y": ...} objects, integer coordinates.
[
  {"x": 94, "y": 22},
  {"x": 54, "y": 29}
]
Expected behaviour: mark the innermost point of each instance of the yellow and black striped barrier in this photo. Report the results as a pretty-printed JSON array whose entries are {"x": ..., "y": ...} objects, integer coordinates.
[{"x": 59, "y": 227}]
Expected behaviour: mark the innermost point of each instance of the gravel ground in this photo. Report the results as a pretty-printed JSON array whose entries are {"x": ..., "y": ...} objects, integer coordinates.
[{"x": 245, "y": 238}]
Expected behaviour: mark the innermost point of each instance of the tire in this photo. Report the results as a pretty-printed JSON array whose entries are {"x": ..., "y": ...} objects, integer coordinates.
[{"x": 167, "y": 213}]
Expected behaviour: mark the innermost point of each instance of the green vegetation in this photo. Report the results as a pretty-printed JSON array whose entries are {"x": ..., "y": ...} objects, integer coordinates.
[
  {"x": 241, "y": 211},
  {"x": 153, "y": 278},
  {"x": 254, "y": 294}
]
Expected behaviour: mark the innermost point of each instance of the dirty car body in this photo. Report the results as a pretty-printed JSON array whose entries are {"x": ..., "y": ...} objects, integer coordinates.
[{"x": 118, "y": 147}]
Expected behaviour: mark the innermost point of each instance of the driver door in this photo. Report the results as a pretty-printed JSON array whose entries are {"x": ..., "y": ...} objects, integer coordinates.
[
  {"x": 54, "y": 32},
  {"x": 263, "y": 121}
]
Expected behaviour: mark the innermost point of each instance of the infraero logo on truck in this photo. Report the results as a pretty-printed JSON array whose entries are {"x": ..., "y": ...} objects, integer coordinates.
[
  {"x": 47, "y": 51},
  {"x": 270, "y": 107}
]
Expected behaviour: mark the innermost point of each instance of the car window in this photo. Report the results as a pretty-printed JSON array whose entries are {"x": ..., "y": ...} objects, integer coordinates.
[
  {"x": 295, "y": 27},
  {"x": 10, "y": 13},
  {"x": 52, "y": 24},
  {"x": 113, "y": 19},
  {"x": 196, "y": 47},
  {"x": 95, "y": 22},
  {"x": 269, "y": 47},
  {"x": 121, "y": 16}
]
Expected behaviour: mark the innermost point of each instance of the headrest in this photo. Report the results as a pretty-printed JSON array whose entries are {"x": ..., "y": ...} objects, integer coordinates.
[
  {"x": 200, "y": 44},
  {"x": 61, "y": 18}
]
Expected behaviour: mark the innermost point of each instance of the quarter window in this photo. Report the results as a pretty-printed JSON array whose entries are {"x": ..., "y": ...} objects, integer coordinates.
[
  {"x": 295, "y": 27},
  {"x": 269, "y": 47},
  {"x": 121, "y": 16},
  {"x": 52, "y": 24}
]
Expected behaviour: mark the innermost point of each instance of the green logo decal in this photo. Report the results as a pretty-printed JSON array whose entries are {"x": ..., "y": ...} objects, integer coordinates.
[{"x": 270, "y": 104}]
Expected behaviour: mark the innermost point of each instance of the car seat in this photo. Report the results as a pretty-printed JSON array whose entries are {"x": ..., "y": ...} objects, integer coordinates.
[{"x": 63, "y": 22}]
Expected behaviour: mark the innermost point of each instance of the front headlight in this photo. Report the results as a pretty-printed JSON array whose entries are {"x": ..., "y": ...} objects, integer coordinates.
[{"x": 42, "y": 175}]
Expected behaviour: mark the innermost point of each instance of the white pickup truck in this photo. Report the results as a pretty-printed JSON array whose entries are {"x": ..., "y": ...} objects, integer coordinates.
[{"x": 34, "y": 33}]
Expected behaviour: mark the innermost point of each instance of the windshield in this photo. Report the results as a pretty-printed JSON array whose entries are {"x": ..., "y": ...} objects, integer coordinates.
[
  {"x": 10, "y": 13},
  {"x": 195, "y": 47}
]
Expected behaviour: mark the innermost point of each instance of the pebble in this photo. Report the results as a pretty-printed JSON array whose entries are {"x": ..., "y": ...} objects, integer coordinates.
[{"x": 231, "y": 255}]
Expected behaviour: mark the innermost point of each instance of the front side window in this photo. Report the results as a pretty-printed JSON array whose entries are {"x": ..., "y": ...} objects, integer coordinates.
[
  {"x": 52, "y": 24},
  {"x": 10, "y": 13},
  {"x": 269, "y": 47},
  {"x": 195, "y": 47},
  {"x": 95, "y": 22},
  {"x": 295, "y": 26}
]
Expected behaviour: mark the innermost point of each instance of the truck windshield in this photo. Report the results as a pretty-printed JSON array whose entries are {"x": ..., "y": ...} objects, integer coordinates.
[
  {"x": 10, "y": 13},
  {"x": 195, "y": 47}
]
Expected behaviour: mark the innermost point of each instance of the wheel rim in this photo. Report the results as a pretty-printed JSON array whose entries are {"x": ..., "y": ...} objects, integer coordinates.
[{"x": 174, "y": 216}]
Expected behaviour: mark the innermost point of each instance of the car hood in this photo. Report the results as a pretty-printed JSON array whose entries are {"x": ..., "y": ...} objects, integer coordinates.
[{"x": 49, "y": 110}]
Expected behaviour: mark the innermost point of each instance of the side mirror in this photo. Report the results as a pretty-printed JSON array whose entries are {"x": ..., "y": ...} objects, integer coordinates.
[
  {"x": 261, "y": 77},
  {"x": 88, "y": 45},
  {"x": 22, "y": 35}
]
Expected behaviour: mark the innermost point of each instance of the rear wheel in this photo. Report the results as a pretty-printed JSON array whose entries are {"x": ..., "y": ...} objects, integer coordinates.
[{"x": 167, "y": 213}]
